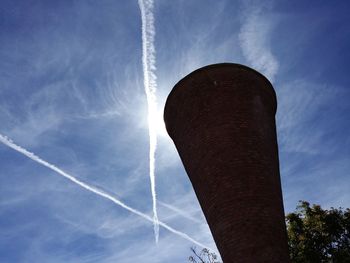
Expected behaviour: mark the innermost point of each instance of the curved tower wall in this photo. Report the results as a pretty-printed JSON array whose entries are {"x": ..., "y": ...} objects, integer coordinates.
[{"x": 222, "y": 121}]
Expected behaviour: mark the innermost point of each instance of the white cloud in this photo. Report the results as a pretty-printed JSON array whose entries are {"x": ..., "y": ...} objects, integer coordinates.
[{"x": 254, "y": 40}]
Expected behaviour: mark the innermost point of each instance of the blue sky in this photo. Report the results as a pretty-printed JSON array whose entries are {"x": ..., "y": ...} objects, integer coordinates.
[{"x": 72, "y": 92}]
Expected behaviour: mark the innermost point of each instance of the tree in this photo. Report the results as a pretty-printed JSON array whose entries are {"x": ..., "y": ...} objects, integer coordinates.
[
  {"x": 204, "y": 256},
  {"x": 315, "y": 235},
  {"x": 318, "y": 235}
]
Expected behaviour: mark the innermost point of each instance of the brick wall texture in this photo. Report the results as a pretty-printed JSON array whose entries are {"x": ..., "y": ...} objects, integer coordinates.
[{"x": 222, "y": 121}]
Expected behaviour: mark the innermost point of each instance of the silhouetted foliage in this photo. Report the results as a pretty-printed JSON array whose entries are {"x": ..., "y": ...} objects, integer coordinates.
[
  {"x": 318, "y": 235},
  {"x": 315, "y": 235},
  {"x": 204, "y": 256}
]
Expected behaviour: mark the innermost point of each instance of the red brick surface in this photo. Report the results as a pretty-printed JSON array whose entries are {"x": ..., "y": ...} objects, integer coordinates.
[{"x": 222, "y": 121}]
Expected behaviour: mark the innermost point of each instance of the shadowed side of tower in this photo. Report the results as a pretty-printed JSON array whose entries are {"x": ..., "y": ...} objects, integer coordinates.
[{"x": 222, "y": 121}]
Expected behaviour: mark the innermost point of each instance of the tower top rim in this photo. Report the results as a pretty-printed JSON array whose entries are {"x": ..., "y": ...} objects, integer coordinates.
[{"x": 222, "y": 65}]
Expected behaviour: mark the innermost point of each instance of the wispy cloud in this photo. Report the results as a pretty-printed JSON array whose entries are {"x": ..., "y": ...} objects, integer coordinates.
[
  {"x": 6, "y": 141},
  {"x": 299, "y": 104},
  {"x": 254, "y": 40},
  {"x": 150, "y": 85},
  {"x": 311, "y": 151}
]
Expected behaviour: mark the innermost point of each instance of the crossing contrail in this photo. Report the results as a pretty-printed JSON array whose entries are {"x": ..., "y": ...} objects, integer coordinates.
[
  {"x": 180, "y": 212},
  {"x": 150, "y": 85},
  {"x": 8, "y": 142}
]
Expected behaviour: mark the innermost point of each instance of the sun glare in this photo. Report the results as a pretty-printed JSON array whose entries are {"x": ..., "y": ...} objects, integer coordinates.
[{"x": 159, "y": 124}]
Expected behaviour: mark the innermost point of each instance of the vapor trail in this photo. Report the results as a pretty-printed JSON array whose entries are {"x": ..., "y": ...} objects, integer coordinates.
[
  {"x": 150, "y": 85},
  {"x": 180, "y": 212},
  {"x": 8, "y": 142}
]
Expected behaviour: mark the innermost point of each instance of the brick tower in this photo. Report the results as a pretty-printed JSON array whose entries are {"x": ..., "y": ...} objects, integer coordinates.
[{"x": 222, "y": 121}]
